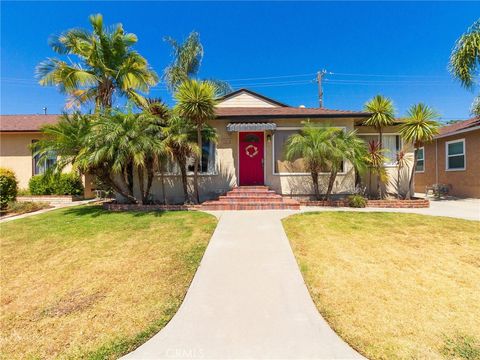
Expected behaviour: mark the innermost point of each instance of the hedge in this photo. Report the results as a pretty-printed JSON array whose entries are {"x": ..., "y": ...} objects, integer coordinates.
[
  {"x": 63, "y": 184},
  {"x": 8, "y": 187}
]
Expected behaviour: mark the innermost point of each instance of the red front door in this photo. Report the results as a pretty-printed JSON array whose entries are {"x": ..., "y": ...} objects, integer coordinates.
[{"x": 251, "y": 158}]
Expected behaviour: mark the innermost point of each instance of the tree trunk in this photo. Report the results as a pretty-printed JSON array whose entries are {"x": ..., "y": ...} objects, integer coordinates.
[
  {"x": 150, "y": 176},
  {"x": 369, "y": 182},
  {"x": 380, "y": 145},
  {"x": 315, "y": 184},
  {"x": 331, "y": 181},
  {"x": 119, "y": 188},
  {"x": 162, "y": 181},
  {"x": 183, "y": 170},
  {"x": 129, "y": 177},
  {"x": 411, "y": 191},
  {"x": 196, "y": 166},
  {"x": 141, "y": 184}
]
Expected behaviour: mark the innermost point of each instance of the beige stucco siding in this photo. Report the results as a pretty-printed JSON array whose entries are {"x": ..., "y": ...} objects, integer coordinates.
[
  {"x": 245, "y": 100},
  {"x": 16, "y": 155}
]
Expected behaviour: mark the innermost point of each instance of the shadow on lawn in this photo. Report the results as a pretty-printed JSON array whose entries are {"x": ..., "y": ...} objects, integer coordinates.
[{"x": 98, "y": 210}]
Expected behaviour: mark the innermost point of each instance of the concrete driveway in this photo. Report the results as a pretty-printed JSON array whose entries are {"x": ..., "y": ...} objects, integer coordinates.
[{"x": 248, "y": 300}]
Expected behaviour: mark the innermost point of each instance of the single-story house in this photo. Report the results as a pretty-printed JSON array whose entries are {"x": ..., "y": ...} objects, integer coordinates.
[
  {"x": 252, "y": 130},
  {"x": 452, "y": 159}
]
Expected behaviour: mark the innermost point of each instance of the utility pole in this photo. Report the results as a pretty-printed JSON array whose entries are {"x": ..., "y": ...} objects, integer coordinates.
[{"x": 320, "y": 75}]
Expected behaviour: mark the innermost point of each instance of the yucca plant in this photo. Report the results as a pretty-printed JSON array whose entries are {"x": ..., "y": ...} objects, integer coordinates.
[
  {"x": 375, "y": 160},
  {"x": 420, "y": 128},
  {"x": 108, "y": 66}
]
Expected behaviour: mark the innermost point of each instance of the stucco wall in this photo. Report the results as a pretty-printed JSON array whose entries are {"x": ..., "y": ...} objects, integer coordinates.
[
  {"x": 16, "y": 155},
  {"x": 463, "y": 183}
]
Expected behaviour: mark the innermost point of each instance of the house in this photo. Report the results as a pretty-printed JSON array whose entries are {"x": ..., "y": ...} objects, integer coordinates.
[
  {"x": 17, "y": 133},
  {"x": 453, "y": 159},
  {"x": 252, "y": 130}
]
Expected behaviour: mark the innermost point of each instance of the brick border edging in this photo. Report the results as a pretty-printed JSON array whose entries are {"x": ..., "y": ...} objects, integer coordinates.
[
  {"x": 54, "y": 199},
  {"x": 394, "y": 204},
  {"x": 157, "y": 207}
]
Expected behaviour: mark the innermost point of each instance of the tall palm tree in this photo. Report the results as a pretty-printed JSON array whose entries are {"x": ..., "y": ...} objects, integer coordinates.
[
  {"x": 382, "y": 114},
  {"x": 420, "y": 128},
  {"x": 187, "y": 58},
  {"x": 313, "y": 145},
  {"x": 196, "y": 104},
  {"x": 465, "y": 59},
  {"x": 345, "y": 146},
  {"x": 107, "y": 66}
]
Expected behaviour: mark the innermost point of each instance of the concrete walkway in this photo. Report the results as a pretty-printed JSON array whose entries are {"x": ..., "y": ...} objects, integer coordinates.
[
  {"x": 247, "y": 300},
  {"x": 468, "y": 209}
]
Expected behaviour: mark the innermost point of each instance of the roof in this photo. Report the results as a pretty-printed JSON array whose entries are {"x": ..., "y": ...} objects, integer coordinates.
[
  {"x": 282, "y": 112},
  {"x": 243, "y": 90},
  {"x": 25, "y": 123},
  {"x": 460, "y": 126}
]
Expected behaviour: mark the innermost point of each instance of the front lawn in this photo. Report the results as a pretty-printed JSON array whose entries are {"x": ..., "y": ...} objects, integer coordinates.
[
  {"x": 85, "y": 283},
  {"x": 394, "y": 286}
]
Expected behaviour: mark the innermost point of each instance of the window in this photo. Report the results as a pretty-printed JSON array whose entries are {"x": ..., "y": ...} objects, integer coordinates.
[
  {"x": 281, "y": 165},
  {"x": 41, "y": 165},
  {"x": 455, "y": 154},
  {"x": 207, "y": 164},
  {"x": 420, "y": 160},
  {"x": 391, "y": 144}
]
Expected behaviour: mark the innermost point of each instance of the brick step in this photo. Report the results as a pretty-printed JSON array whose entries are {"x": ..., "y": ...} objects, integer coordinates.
[
  {"x": 218, "y": 205},
  {"x": 250, "y": 189},
  {"x": 251, "y": 193},
  {"x": 253, "y": 199}
]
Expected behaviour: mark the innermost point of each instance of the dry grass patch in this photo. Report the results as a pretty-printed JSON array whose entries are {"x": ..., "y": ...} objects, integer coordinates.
[
  {"x": 86, "y": 283},
  {"x": 394, "y": 286}
]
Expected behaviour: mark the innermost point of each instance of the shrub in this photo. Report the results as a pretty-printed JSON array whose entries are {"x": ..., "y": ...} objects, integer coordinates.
[
  {"x": 23, "y": 207},
  {"x": 63, "y": 184},
  {"x": 8, "y": 187},
  {"x": 357, "y": 201}
]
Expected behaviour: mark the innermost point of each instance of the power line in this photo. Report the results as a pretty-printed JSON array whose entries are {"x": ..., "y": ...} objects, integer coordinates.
[{"x": 391, "y": 75}]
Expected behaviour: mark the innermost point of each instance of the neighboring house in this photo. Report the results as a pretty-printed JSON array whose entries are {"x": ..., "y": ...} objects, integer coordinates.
[
  {"x": 17, "y": 133},
  {"x": 252, "y": 130},
  {"x": 453, "y": 159}
]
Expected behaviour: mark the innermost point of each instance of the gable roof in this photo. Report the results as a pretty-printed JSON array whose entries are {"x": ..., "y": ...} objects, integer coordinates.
[
  {"x": 25, "y": 123},
  {"x": 253, "y": 93},
  {"x": 460, "y": 126}
]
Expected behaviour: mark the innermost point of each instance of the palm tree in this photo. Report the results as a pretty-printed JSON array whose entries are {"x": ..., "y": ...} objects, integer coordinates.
[
  {"x": 196, "y": 104},
  {"x": 108, "y": 66},
  {"x": 123, "y": 143},
  {"x": 375, "y": 162},
  {"x": 465, "y": 59},
  {"x": 345, "y": 146},
  {"x": 187, "y": 57},
  {"x": 313, "y": 145},
  {"x": 419, "y": 129},
  {"x": 382, "y": 114}
]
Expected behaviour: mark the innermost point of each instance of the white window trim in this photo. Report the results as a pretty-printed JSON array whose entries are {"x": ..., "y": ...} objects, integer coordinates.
[
  {"x": 191, "y": 173},
  {"x": 448, "y": 156},
  {"x": 378, "y": 136},
  {"x": 423, "y": 150},
  {"x": 344, "y": 128}
]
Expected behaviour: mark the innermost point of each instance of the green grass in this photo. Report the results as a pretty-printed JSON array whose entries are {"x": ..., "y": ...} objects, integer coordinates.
[
  {"x": 86, "y": 283},
  {"x": 394, "y": 286}
]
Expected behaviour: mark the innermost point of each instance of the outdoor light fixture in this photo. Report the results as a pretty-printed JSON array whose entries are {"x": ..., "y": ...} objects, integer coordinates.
[{"x": 269, "y": 138}]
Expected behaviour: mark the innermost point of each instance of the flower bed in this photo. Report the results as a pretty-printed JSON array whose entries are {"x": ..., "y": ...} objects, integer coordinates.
[
  {"x": 394, "y": 203},
  {"x": 113, "y": 206},
  {"x": 51, "y": 199}
]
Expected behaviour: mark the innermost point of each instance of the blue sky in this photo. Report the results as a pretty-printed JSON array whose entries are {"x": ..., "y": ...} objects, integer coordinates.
[{"x": 400, "y": 50}]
